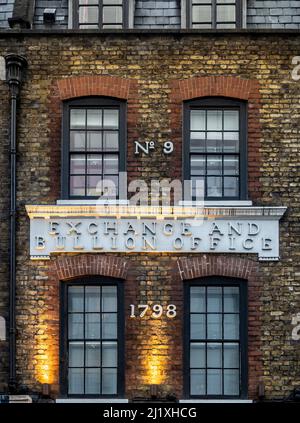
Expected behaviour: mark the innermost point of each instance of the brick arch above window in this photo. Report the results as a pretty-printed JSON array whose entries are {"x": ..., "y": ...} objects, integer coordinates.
[
  {"x": 215, "y": 86},
  {"x": 215, "y": 265},
  {"x": 84, "y": 86},
  {"x": 67, "y": 267}
]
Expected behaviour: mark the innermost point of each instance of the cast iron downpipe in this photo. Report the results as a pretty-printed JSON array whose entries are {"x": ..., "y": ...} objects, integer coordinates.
[{"x": 15, "y": 66}]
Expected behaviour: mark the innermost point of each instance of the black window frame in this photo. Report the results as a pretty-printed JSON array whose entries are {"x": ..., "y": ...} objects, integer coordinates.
[
  {"x": 90, "y": 102},
  {"x": 217, "y": 281},
  {"x": 239, "y": 15},
  {"x": 211, "y": 103},
  {"x": 125, "y": 22},
  {"x": 63, "y": 370}
]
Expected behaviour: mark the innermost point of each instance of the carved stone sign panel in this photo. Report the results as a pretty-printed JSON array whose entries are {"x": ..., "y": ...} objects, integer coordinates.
[{"x": 181, "y": 235}]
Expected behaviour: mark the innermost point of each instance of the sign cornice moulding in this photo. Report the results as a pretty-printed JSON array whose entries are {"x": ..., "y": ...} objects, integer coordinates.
[{"x": 155, "y": 212}]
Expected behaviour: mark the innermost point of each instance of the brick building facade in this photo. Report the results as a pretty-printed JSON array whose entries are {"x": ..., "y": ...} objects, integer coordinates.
[{"x": 163, "y": 67}]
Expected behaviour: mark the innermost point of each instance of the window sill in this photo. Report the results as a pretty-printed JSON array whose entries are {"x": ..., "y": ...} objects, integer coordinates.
[
  {"x": 91, "y": 400},
  {"x": 215, "y": 401},
  {"x": 89, "y": 202},
  {"x": 217, "y": 203}
]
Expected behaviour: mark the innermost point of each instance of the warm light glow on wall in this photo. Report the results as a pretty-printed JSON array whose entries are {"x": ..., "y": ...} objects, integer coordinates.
[
  {"x": 155, "y": 362},
  {"x": 155, "y": 368},
  {"x": 44, "y": 357}
]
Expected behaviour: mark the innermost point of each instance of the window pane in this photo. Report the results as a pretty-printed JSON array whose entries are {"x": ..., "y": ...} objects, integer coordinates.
[
  {"x": 231, "y": 299},
  {"x": 231, "y": 187},
  {"x": 89, "y": 14},
  {"x": 231, "y": 326},
  {"x": 197, "y": 299},
  {"x": 214, "y": 120},
  {"x": 214, "y": 382},
  {"x": 231, "y": 142},
  {"x": 214, "y": 186},
  {"x": 231, "y": 120},
  {"x": 214, "y": 355},
  {"x": 112, "y": 15},
  {"x": 202, "y": 26},
  {"x": 111, "y": 119},
  {"x": 231, "y": 165},
  {"x": 214, "y": 165},
  {"x": 92, "y": 299},
  {"x": 77, "y": 141},
  {"x": 197, "y": 165},
  {"x": 92, "y": 326},
  {"x": 198, "y": 187},
  {"x": 94, "y": 141},
  {"x": 197, "y": 355},
  {"x": 94, "y": 163},
  {"x": 109, "y": 326},
  {"x": 111, "y": 164},
  {"x": 214, "y": 299},
  {"x": 198, "y": 386},
  {"x": 77, "y": 164},
  {"x": 110, "y": 186},
  {"x": 75, "y": 298},
  {"x": 214, "y": 142},
  {"x": 92, "y": 381},
  {"x": 88, "y": 2},
  {"x": 76, "y": 381},
  {"x": 231, "y": 356},
  {"x": 201, "y": 14},
  {"x": 214, "y": 326},
  {"x": 226, "y": 13},
  {"x": 76, "y": 354},
  {"x": 94, "y": 118},
  {"x": 109, "y": 381},
  {"x": 110, "y": 141},
  {"x": 198, "y": 120},
  {"x": 77, "y": 118},
  {"x": 112, "y": 2},
  {"x": 77, "y": 185},
  {"x": 94, "y": 185},
  {"x": 109, "y": 354},
  {"x": 198, "y": 326},
  {"x": 93, "y": 354},
  {"x": 226, "y": 26},
  {"x": 109, "y": 298},
  {"x": 197, "y": 142},
  {"x": 231, "y": 382},
  {"x": 75, "y": 326}
]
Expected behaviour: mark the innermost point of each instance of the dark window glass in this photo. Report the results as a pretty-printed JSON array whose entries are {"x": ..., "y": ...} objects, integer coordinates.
[
  {"x": 93, "y": 340},
  {"x": 94, "y": 148},
  {"x": 220, "y": 14},
  {"x": 94, "y": 14},
  {"x": 215, "y": 148},
  {"x": 216, "y": 341}
]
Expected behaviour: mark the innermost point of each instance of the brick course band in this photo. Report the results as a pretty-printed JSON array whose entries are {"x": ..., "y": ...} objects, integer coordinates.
[
  {"x": 72, "y": 267},
  {"x": 222, "y": 86}
]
